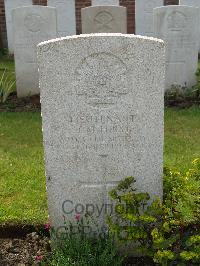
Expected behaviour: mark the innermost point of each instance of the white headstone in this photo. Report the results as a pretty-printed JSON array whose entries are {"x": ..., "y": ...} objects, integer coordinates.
[
  {"x": 102, "y": 111},
  {"x": 144, "y": 16},
  {"x": 178, "y": 26},
  {"x": 194, "y": 3},
  {"x": 104, "y": 19},
  {"x": 9, "y": 6},
  {"x": 105, "y": 2},
  {"x": 66, "y": 19},
  {"x": 31, "y": 26}
]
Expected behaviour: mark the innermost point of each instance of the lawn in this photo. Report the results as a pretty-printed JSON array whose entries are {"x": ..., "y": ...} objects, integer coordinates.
[{"x": 22, "y": 178}]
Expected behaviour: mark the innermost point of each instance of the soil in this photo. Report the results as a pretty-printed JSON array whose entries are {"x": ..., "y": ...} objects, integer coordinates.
[
  {"x": 23, "y": 251},
  {"x": 181, "y": 103},
  {"x": 26, "y": 245},
  {"x": 28, "y": 251},
  {"x": 14, "y": 104}
]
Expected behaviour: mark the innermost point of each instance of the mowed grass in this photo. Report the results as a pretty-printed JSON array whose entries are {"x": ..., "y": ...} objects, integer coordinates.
[
  {"x": 182, "y": 137},
  {"x": 22, "y": 178}
]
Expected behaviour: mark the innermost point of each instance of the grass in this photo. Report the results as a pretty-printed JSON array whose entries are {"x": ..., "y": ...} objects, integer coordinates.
[
  {"x": 182, "y": 137},
  {"x": 22, "y": 178}
]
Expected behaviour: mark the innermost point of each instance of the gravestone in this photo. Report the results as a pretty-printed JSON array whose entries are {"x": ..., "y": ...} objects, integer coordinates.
[
  {"x": 105, "y": 2},
  {"x": 178, "y": 27},
  {"x": 31, "y": 26},
  {"x": 9, "y": 6},
  {"x": 104, "y": 19},
  {"x": 194, "y": 3},
  {"x": 102, "y": 110},
  {"x": 66, "y": 20},
  {"x": 144, "y": 16}
]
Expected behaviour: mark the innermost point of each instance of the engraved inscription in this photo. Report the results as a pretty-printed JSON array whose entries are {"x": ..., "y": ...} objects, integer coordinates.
[
  {"x": 100, "y": 133},
  {"x": 103, "y": 21},
  {"x": 102, "y": 80},
  {"x": 176, "y": 21},
  {"x": 33, "y": 22}
]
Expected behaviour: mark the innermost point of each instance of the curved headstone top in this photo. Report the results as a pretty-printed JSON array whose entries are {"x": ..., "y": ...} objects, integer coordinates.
[
  {"x": 34, "y": 7},
  {"x": 104, "y": 19},
  {"x": 102, "y": 35},
  {"x": 102, "y": 109}
]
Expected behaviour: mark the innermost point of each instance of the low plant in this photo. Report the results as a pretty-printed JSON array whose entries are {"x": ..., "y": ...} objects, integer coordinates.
[
  {"x": 7, "y": 85},
  {"x": 81, "y": 249},
  {"x": 3, "y": 52},
  {"x": 166, "y": 231},
  {"x": 196, "y": 89},
  {"x": 178, "y": 94}
]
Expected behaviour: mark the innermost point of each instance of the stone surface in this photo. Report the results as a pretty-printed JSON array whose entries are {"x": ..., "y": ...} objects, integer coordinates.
[
  {"x": 9, "y": 6},
  {"x": 31, "y": 26},
  {"x": 104, "y": 19},
  {"x": 105, "y": 2},
  {"x": 178, "y": 26},
  {"x": 66, "y": 20},
  {"x": 194, "y": 3},
  {"x": 144, "y": 16},
  {"x": 102, "y": 110}
]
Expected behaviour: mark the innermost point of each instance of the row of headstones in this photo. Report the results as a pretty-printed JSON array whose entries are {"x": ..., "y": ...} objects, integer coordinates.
[
  {"x": 66, "y": 21},
  {"x": 177, "y": 25}
]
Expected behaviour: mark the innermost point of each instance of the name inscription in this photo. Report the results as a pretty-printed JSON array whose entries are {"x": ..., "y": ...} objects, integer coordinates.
[{"x": 100, "y": 133}]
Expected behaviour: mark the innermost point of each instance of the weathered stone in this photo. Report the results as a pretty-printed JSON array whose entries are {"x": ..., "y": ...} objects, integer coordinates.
[
  {"x": 194, "y": 3},
  {"x": 9, "y": 6},
  {"x": 31, "y": 26},
  {"x": 178, "y": 27},
  {"x": 66, "y": 19},
  {"x": 104, "y": 19},
  {"x": 144, "y": 16},
  {"x": 102, "y": 110},
  {"x": 105, "y": 2}
]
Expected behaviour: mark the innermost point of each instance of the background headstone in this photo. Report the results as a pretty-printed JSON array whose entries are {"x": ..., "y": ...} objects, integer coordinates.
[
  {"x": 144, "y": 16},
  {"x": 31, "y": 26},
  {"x": 105, "y": 2},
  {"x": 66, "y": 19},
  {"x": 9, "y": 6},
  {"x": 194, "y": 3},
  {"x": 102, "y": 111},
  {"x": 104, "y": 19},
  {"x": 178, "y": 26}
]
